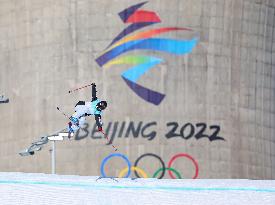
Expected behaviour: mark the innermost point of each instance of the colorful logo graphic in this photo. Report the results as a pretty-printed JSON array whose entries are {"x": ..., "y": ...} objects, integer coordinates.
[
  {"x": 159, "y": 172},
  {"x": 126, "y": 41}
]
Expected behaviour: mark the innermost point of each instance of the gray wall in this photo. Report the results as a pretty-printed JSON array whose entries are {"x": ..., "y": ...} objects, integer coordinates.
[{"x": 48, "y": 47}]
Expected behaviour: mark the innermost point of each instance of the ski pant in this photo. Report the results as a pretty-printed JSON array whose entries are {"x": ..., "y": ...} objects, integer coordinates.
[{"x": 80, "y": 114}]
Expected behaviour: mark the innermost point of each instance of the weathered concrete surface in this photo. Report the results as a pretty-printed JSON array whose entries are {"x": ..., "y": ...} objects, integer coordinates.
[{"x": 49, "y": 47}]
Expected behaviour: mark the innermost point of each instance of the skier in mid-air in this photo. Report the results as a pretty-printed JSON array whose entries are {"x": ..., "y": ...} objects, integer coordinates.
[{"x": 83, "y": 109}]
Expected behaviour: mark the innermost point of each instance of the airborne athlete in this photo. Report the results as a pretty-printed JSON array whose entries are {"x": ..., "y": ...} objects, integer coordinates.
[
  {"x": 83, "y": 109},
  {"x": 77, "y": 120}
]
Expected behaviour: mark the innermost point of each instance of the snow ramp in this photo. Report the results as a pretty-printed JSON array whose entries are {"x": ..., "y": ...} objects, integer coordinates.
[{"x": 30, "y": 188}]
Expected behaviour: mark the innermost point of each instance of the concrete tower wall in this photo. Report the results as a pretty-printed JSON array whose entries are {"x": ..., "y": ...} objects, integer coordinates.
[{"x": 219, "y": 104}]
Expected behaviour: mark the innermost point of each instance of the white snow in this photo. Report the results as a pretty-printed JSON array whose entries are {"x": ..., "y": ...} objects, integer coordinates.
[{"x": 28, "y": 188}]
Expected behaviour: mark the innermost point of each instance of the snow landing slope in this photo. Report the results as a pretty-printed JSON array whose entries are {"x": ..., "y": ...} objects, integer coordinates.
[{"x": 26, "y": 188}]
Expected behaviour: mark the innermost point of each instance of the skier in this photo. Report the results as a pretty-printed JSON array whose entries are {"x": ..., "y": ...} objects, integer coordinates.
[{"x": 83, "y": 109}]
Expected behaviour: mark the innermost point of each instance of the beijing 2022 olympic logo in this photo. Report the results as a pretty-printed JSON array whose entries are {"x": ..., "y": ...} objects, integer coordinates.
[
  {"x": 159, "y": 172},
  {"x": 143, "y": 40}
]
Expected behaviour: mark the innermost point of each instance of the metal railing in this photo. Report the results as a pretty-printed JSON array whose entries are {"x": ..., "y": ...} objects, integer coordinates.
[
  {"x": 38, "y": 145},
  {"x": 3, "y": 99}
]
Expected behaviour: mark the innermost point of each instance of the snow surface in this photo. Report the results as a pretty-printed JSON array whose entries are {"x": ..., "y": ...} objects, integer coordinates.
[{"x": 28, "y": 188}]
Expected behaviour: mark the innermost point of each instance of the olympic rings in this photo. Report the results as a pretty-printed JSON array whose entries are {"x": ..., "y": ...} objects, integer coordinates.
[
  {"x": 117, "y": 155},
  {"x": 187, "y": 156},
  {"x": 172, "y": 169},
  {"x": 153, "y": 155},
  {"x": 137, "y": 170},
  {"x": 142, "y": 172}
]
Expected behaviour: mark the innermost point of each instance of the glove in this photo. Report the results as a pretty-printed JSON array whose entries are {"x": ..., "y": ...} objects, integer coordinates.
[
  {"x": 99, "y": 129},
  {"x": 70, "y": 129}
]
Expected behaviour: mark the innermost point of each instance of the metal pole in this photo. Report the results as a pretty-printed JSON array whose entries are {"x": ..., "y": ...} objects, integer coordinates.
[{"x": 53, "y": 157}]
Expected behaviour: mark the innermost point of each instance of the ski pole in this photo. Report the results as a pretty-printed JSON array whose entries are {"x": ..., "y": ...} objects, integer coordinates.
[
  {"x": 106, "y": 136},
  {"x": 67, "y": 116},
  {"x": 70, "y": 91},
  {"x": 63, "y": 113}
]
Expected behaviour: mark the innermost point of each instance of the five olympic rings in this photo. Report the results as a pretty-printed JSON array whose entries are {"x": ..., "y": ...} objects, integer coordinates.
[{"x": 140, "y": 171}]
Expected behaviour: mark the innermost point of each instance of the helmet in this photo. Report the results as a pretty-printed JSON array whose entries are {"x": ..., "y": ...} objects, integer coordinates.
[{"x": 101, "y": 105}]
